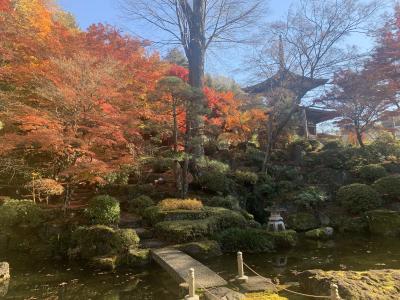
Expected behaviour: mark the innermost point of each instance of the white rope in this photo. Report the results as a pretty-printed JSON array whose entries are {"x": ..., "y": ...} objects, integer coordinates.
[{"x": 284, "y": 289}]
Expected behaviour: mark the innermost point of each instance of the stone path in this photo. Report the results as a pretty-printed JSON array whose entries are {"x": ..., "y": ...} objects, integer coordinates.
[{"x": 177, "y": 264}]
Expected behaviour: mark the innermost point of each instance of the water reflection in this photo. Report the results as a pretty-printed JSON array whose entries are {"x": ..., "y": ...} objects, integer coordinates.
[{"x": 4, "y": 288}]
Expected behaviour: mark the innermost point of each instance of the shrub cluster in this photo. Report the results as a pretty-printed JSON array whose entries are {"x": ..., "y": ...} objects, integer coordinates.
[
  {"x": 310, "y": 198},
  {"x": 228, "y": 202},
  {"x": 246, "y": 240},
  {"x": 88, "y": 242},
  {"x": 372, "y": 172},
  {"x": 389, "y": 187},
  {"x": 358, "y": 198},
  {"x": 189, "y": 230},
  {"x": 139, "y": 204},
  {"x": 246, "y": 177},
  {"x": 20, "y": 213},
  {"x": 104, "y": 210},
  {"x": 180, "y": 204},
  {"x": 213, "y": 176}
]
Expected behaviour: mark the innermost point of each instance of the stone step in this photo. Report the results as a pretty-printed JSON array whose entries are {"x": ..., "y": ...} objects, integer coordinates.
[{"x": 177, "y": 264}]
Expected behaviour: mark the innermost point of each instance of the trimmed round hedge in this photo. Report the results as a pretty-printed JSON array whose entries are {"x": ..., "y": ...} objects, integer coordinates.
[
  {"x": 371, "y": 173},
  {"x": 357, "y": 197},
  {"x": 103, "y": 210},
  {"x": 389, "y": 187},
  {"x": 139, "y": 204},
  {"x": 246, "y": 240}
]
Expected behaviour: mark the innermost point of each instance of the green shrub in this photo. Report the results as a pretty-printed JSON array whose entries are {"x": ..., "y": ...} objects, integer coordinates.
[
  {"x": 284, "y": 239},
  {"x": 104, "y": 210},
  {"x": 300, "y": 144},
  {"x": 333, "y": 145},
  {"x": 371, "y": 173},
  {"x": 254, "y": 156},
  {"x": 88, "y": 242},
  {"x": 154, "y": 214},
  {"x": 225, "y": 218},
  {"x": 357, "y": 198},
  {"x": 162, "y": 165},
  {"x": 183, "y": 231},
  {"x": 126, "y": 239},
  {"x": 333, "y": 158},
  {"x": 246, "y": 178},
  {"x": 139, "y": 204},
  {"x": 245, "y": 240},
  {"x": 20, "y": 213},
  {"x": 310, "y": 198},
  {"x": 188, "y": 230},
  {"x": 302, "y": 221},
  {"x": 213, "y": 176},
  {"x": 389, "y": 187},
  {"x": 228, "y": 202}
]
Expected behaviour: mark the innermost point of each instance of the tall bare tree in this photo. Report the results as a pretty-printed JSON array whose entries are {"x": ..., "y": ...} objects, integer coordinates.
[
  {"x": 314, "y": 36},
  {"x": 197, "y": 25}
]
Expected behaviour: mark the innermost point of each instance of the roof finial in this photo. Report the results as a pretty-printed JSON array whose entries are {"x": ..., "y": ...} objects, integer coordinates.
[{"x": 281, "y": 54}]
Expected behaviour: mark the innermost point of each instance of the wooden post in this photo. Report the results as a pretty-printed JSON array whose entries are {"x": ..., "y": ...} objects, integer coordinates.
[
  {"x": 241, "y": 277},
  {"x": 335, "y": 292},
  {"x": 305, "y": 120},
  {"x": 192, "y": 286}
]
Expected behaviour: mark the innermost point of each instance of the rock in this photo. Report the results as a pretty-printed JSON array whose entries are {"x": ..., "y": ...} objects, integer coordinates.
[
  {"x": 368, "y": 285},
  {"x": 323, "y": 233},
  {"x": 258, "y": 284},
  {"x": 201, "y": 250},
  {"x": 302, "y": 221},
  {"x": 384, "y": 222},
  {"x": 223, "y": 293},
  {"x": 104, "y": 263},
  {"x": 137, "y": 258},
  {"x": 4, "y": 271}
]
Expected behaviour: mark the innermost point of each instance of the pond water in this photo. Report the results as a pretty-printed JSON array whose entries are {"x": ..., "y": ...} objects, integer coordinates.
[{"x": 32, "y": 279}]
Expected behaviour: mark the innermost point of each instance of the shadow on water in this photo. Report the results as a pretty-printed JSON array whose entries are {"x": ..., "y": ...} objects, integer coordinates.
[{"x": 33, "y": 279}]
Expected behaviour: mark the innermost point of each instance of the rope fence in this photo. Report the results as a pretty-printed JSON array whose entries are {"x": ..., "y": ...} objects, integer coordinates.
[{"x": 334, "y": 290}]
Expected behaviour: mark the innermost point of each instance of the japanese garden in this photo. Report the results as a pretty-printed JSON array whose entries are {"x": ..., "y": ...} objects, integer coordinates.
[{"x": 200, "y": 149}]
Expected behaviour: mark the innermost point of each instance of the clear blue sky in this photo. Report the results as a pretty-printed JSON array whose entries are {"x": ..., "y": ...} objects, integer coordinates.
[{"x": 88, "y": 12}]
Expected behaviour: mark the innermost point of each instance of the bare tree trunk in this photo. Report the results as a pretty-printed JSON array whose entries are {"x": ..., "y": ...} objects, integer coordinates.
[
  {"x": 360, "y": 138},
  {"x": 269, "y": 146},
  {"x": 175, "y": 129},
  {"x": 196, "y": 57}
]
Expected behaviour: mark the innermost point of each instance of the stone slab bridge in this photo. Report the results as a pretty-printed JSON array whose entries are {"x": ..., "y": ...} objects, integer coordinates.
[
  {"x": 191, "y": 274},
  {"x": 177, "y": 264}
]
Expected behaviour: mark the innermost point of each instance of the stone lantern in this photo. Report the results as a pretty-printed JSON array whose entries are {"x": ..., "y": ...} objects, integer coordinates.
[{"x": 275, "y": 221}]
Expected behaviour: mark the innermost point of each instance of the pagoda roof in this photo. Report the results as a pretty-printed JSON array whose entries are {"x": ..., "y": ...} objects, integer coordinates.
[
  {"x": 297, "y": 84},
  {"x": 319, "y": 115}
]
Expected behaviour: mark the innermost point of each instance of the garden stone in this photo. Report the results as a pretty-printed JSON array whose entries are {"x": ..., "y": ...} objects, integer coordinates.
[
  {"x": 4, "y": 288},
  {"x": 4, "y": 271},
  {"x": 104, "y": 263},
  {"x": 137, "y": 258},
  {"x": 323, "y": 233},
  {"x": 201, "y": 250}
]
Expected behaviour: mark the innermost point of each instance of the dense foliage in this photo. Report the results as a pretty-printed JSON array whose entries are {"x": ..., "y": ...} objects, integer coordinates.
[
  {"x": 103, "y": 210},
  {"x": 358, "y": 198}
]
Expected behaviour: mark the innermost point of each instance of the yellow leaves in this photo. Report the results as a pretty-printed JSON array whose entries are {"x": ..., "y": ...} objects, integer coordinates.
[{"x": 36, "y": 15}]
